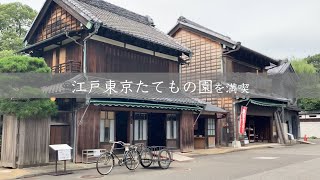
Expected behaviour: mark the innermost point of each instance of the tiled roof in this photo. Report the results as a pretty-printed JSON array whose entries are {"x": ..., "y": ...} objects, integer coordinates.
[
  {"x": 124, "y": 21},
  {"x": 279, "y": 69},
  {"x": 184, "y": 21}
]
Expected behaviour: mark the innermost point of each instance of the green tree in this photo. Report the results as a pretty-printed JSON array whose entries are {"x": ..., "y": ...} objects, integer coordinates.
[
  {"x": 308, "y": 83},
  {"x": 6, "y": 53},
  {"x": 22, "y": 106},
  {"x": 301, "y": 66},
  {"x": 15, "y": 20},
  {"x": 315, "y": 61}
]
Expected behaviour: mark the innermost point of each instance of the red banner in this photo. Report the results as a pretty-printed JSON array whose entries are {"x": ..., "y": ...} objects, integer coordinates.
[{"x": 243, "y": 118}]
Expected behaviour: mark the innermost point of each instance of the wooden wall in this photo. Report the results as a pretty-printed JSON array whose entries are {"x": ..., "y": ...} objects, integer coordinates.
[
  {"x": 88, "y": 132},
  {"x": 103, "y": 57},
  {"x": 235, "y": 66},
  {"x": 33, "y": 142},
  {"x": 9, "y": 142},
  {"x": 186, "y": 131},
  {"x": 72, "y": 52},
  {"x": 25, "y": 142},
  {"x": 58, "y": 20},
  {"x": 206, "y": 63}
]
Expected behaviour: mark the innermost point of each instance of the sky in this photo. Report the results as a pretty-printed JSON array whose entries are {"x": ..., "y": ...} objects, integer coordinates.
[{"x": 277, "y": 28}]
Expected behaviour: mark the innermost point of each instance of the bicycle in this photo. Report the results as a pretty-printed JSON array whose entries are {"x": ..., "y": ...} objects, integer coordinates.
[{"x": 106, "y": 161}]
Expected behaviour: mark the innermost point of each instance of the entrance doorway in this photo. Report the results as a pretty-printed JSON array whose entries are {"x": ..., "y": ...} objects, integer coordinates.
[
  {"x": 258, "y": 129},
  {"x": 59, "y": 134},
  {"x": 122, "y": 126},
  {"x": 156, "y": 129}
]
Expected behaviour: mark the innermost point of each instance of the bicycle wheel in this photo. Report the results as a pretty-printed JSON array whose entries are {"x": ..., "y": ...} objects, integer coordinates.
[
  {"x": 105, "y": 163},
  {"x": 164, "y": 159},
  {"x": 131, "y": 159},
  {"x": 146, "y": 158}
]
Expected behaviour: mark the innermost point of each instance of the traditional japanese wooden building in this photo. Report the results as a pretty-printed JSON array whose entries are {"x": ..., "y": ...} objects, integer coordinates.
[
  {"x": 94, "y": 36},
  {"x": 216, "y": 56}
]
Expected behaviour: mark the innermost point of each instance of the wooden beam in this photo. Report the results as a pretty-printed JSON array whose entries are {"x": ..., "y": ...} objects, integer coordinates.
[
  {"x": 106, "y": 108},
  {"x": 38, "y": 20},
  {"x": 74, "y": 13}
]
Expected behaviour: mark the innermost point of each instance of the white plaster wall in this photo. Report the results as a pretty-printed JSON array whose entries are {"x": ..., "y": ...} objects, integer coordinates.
[{"x": 310, "y": 129}]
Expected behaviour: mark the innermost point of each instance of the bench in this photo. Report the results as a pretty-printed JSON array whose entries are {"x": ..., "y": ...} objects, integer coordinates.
[{"x": 90, "y": 154}]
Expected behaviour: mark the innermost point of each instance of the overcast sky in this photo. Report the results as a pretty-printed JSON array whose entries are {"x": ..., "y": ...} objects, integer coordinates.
[{"x": 277, "y": 28}]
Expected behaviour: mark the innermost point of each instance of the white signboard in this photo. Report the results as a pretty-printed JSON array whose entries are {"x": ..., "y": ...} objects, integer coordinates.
[
  {"x": 96, "y": 153},
  {"x": 64, "y": 151},
  {"x": 58, "y": 147},
  {"x": 64, "y": 154}
]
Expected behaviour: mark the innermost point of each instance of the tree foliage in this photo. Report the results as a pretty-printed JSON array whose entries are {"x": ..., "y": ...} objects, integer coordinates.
[
  {"x": 306, "y": 71},
  {"x": 15, "y": 20},
  {"x": 315, "y": 61},
  {"x": 301, "y": 66},
  {"x": 23, "y": 64},
  {"x": 6, "y": 53},
  {"x": 24, "y": 107}
]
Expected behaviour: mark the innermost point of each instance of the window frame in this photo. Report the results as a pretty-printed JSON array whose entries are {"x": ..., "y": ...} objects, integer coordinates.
[
  {"x": 211, "y": 127},
  {"x": 111, "y": 125},
  {"x": 140, "y": 121},
  {"x": 172, "y": 119}
]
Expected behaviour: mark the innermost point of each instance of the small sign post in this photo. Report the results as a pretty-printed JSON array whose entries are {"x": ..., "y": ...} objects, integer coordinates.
[{"x": 63, "y": 153}]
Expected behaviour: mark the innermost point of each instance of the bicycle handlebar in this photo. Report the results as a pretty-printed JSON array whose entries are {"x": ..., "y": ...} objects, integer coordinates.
[{"x": 117, "y": 142}]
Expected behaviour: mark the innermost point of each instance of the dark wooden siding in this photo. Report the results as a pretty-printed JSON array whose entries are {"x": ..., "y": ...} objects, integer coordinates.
[
  {"x": 88, "y": 130},
  {"x": 73, "y": 52},
  {"x": 58, "y": 20},
  {"x": 186, "y": 132},
  {"x": 103, "y": 57},
  {"x": 58, "y": 135},
  {"x": 25, "y": 142}
]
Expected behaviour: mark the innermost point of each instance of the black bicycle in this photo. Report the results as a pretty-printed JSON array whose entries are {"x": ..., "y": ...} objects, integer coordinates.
[{"x": 106, "y": 161}]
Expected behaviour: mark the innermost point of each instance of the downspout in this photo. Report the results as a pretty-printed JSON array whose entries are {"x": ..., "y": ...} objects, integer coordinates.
[
  {"x": 235, "y": 122},
  {"x": 195, "y": 122},
  {"x": 96, "y": 29},
  {"x": 237, "y": 46}
]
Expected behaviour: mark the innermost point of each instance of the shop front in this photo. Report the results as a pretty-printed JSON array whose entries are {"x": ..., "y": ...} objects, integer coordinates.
[
  {"x": 206, "y": 127},
  {"x": 133, "y": 122}
]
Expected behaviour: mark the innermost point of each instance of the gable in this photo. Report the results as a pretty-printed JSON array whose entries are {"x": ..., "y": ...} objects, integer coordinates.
[{"x": 56, "y": 20}]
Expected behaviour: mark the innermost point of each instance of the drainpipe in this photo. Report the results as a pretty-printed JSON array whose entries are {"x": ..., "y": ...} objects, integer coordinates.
[
  {"x": 235, "y": 122},
  {"x": 237, "y": 46},
  {"x": 96, "y": 29},
  {"x": 195, "y": 122}
]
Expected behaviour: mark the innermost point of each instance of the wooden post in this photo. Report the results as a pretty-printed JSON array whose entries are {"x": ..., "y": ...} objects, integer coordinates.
[{"x": 186, "y": 131}]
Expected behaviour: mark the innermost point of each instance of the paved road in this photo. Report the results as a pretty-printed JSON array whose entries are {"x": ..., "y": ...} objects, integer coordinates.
[{"x": 299, "y": 162}]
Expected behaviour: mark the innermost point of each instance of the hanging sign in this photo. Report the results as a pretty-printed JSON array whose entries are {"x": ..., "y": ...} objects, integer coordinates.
[{"x": 243, "y": 118}]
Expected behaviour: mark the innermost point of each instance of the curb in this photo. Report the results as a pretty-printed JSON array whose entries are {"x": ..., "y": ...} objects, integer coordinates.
[{"x": 48, "y": 173}]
